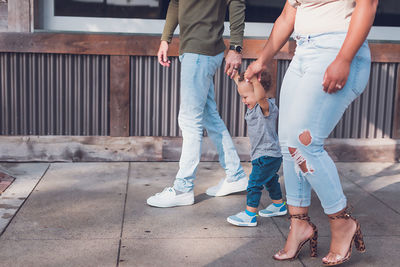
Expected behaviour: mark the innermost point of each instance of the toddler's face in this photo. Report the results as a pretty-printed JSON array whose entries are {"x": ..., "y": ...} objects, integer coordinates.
[{"x": 246, "y": 92}]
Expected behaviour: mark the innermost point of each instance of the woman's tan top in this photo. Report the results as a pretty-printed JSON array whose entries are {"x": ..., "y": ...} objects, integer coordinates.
[{"x": 320, "y": 16}]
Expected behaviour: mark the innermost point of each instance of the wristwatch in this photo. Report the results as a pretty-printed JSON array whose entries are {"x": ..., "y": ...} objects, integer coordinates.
[{"x": 236, "y": 48}]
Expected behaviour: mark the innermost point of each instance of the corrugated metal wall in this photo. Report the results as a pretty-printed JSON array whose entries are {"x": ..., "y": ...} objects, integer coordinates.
[
  {"x": 155, "y": 101},
  {"x": 46, "y": 94},
  {"x": 154, "y": 97}
]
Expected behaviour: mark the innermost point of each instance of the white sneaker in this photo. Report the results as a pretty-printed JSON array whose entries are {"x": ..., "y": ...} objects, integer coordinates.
[
  {"x": 168, "y": 198},
  {"x": 224, "y": 187}
]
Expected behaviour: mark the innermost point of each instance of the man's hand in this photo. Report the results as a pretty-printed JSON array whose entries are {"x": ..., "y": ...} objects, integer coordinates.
[
  {"x": 162, "y": 54},
  {"x": 233, "y": 60}
]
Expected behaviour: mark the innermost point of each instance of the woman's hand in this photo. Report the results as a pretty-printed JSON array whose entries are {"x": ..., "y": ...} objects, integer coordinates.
[
  {"x": 162, "y": 54},
  {"x": 254, "y": 70},
  {"x": 336, "y": 74},
  {"x": 361, "y": 21}
]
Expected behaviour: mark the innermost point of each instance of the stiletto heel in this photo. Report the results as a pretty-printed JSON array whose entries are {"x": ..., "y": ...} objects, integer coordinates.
[
  {"x": 357, "y": 240},
  {"x": 314, "y": 244},
  {"x": 313, "y": 239}
]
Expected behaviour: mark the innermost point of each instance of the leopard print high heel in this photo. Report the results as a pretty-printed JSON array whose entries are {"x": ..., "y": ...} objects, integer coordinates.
[
  {"x": 312, "y": 239},
  {"x": 357, "y": 240}
]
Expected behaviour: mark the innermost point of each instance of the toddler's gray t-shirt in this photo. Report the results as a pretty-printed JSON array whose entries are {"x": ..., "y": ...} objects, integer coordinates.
[{"x": 262, "y": 131}]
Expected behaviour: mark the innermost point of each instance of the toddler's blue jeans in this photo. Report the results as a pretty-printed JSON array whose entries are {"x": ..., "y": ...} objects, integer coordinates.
[{"x": 264, "y": 174}]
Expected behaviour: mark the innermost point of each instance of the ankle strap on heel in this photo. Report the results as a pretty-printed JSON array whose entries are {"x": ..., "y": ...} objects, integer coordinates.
[
  {"x": 303, "y": 217},
  {"x": 344, "y": 214}
]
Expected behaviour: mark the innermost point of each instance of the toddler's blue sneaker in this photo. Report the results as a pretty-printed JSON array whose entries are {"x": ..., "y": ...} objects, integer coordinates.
[
  {"x": 274, "y": 210},
  {"x": 243, "y": 218}
]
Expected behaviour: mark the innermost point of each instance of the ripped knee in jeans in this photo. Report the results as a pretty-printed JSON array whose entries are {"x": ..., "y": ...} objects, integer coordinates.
[{"x": 300, "y": 162}]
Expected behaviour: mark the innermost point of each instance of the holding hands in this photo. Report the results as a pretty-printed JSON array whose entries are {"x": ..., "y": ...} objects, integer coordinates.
[
  {"x": 335, "y": 77},
  {"x": 233, "y": 60},
  {"x": 254, "y": 70}
]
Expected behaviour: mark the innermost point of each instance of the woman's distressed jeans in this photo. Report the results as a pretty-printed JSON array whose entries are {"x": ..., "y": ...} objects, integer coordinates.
[{"x": 308, "y": 115}]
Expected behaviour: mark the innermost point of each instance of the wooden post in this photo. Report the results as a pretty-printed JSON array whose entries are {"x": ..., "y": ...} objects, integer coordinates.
[
  {"x": 3, "y": 16},
  {"x": 19, "y": 16},
  {"x": 272, "y": 68},
  {"x": 396, "y": 115},
  {"x": 119, "y": 95}
]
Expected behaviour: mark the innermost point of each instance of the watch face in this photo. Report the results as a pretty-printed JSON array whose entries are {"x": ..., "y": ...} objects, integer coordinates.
[{"x": 238, "y": 49}]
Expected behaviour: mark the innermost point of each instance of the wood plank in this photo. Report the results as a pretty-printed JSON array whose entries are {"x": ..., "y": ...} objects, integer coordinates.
[
  {"x": 273, "y": 69},
  {"x": 145, "y": 45},
  {"x": 97, "y": 44},
  {"x": 385, "y": 52},
  {"x": 396, "y": 115},
  {"x": 19, "y": 16},
  {"x": 105, "y": 148},
  {"x": 79, "y": 148},
  {"x": 119, "y": 95}
]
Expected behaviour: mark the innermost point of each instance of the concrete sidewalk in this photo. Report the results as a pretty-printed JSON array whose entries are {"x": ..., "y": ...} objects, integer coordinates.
[{"x": 94, "y": 214}]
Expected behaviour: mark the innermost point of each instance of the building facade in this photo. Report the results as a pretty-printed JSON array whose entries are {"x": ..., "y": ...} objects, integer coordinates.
[{"x": 85, "y": 72}]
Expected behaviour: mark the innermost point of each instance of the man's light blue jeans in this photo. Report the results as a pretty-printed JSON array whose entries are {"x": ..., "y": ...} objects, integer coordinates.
[
  {"x": 308, "y": 115},
  {"x": 197, "y": 111}
]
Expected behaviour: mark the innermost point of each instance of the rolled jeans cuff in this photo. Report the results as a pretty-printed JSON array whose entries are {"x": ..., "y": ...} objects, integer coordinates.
[
  {"x": 338, "y": 206},
  {"x": 298, "y": 202}
]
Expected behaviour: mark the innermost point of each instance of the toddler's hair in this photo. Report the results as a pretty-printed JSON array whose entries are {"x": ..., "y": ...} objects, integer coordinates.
[{"x": 265, "y": 80}]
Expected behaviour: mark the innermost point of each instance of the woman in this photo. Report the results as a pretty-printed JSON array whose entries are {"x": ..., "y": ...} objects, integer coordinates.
[{"x": 329, "y": 70}]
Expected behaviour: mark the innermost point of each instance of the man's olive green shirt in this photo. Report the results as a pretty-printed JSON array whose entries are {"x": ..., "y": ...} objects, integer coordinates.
[{"x": 201, "y": 24}]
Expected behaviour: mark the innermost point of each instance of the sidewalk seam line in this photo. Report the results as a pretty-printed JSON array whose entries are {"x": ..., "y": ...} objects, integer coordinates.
[
  {"x": 224, "y": 237},
  {"x": 22, "y": 204},
  {"x": 371, "y": 194},
  {"x": 123, "y": 214}
]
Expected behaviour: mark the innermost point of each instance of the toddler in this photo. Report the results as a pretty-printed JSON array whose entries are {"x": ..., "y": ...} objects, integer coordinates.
[{"x": 261, "y": 118}]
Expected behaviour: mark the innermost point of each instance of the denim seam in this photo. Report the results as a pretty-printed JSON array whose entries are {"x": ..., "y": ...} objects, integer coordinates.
[{"x": 357, "y": 71}]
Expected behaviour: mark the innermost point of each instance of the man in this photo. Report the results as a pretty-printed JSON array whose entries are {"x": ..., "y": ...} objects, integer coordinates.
[{"x": 201, "y": 52}]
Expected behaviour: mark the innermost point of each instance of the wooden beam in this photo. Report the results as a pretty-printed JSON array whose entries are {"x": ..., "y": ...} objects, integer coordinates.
[
  {"x": 273, "y": 69},
  {"x": 79, "y": 148},
  {"x": 86, "y": 44},
  {"x": 105, "y": 148},
  {"x": 19, "y": 16},
  {"x": 396, "y": 115},
  {"x": 119, "y": 95},
  {"x": 144, "y": 45}
]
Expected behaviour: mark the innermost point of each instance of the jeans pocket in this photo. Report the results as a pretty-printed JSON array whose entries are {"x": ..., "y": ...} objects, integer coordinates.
[
  {"x": 362, "y": 67},
  {"x": 362, "y": 71},
  {"x": 214, "y": 62}
]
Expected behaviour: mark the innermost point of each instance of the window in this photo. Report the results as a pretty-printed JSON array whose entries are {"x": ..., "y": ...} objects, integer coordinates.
[
  {"x": 147, "y": 16},
  {"x": 145, "y": 9}
]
